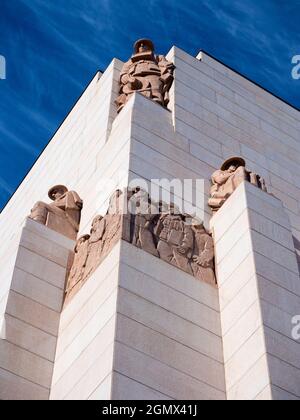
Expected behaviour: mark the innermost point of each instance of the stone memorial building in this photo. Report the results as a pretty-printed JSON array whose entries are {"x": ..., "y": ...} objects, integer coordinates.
[{"x": 108, "y": 291}]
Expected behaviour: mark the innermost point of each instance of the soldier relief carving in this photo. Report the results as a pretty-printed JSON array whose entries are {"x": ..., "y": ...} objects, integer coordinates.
[
  {"x": 178, "y": 239},
  {"x": 146, "y": 73},
  {"x": 187, "y": 246},
  {"x": 63, "y": 214},
  {"x": 226, "y": 180},
  {"x": 157, "y": 228},
  {"x": 91, "y": 249}
]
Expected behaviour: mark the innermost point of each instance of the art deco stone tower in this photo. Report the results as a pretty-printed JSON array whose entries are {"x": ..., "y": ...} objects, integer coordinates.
[{"x": 151, "y": 306}]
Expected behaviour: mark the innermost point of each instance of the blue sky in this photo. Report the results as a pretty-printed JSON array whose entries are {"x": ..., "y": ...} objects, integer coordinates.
[{"x": 53, "y": 48}]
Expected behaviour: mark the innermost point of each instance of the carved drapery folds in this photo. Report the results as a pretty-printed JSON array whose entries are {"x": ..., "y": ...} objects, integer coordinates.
[
  {"x": 226, "y": 180},
  {"x": 154, "y": 227},
  {"x": 63, "y": 214},
  {"x": 146, "y": 73}
]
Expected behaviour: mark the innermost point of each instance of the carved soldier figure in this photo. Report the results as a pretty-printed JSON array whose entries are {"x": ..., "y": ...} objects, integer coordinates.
[
  {"x": 147, "y": 73},
  {"x": 203, "y": 255},
  {"x": 226, "y": 180},
  {"x": 176, "y": 239},
  {"x": 144, "y": 215},
  {"x": 113, "y": 221},
  {"x": 105, "y": 231},
  {"x": 79, "y": 263},
  {"x": 95, "y": 244},
  {"x": 63, "y": 215},
  {"x": 116, "y": 203}
]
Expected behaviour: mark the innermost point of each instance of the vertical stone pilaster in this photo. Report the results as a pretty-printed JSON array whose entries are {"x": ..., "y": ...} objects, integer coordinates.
[
  {"x": 32, "y": 313},
  {"x": 259, "y": 294}
]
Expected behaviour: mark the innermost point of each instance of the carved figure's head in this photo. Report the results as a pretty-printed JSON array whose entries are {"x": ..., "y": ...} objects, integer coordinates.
[
  {"x": 195, "y": 222},
  {"x": 232, "y": 164},
  {"x": 56, "y": 192},
  {"x": 199, "y": 227},
  {"x": 143, "y": 45},
  {"x": 175, "y": 211}
]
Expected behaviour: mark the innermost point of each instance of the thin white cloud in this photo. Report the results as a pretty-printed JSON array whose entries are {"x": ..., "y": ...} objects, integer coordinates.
[{"x": 22, "y": 144}]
